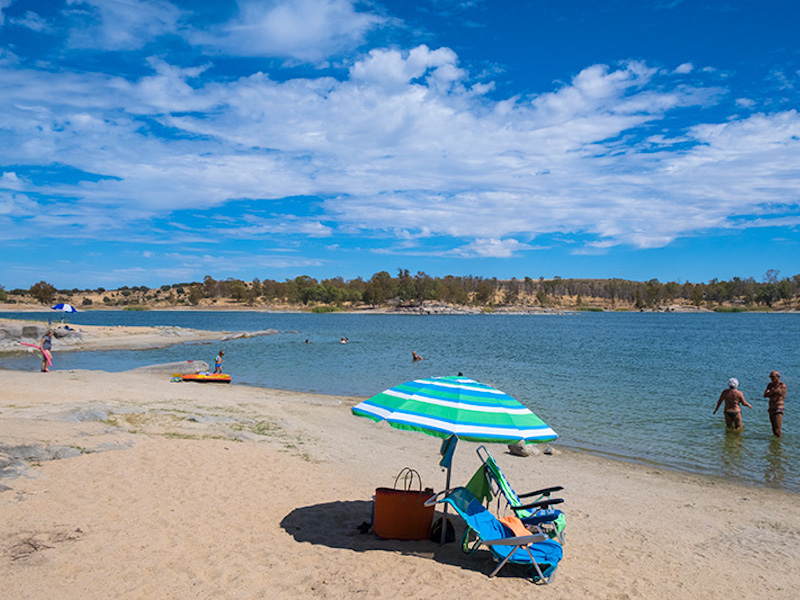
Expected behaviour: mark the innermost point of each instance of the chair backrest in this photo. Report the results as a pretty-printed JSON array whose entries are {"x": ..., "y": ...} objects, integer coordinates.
[
  {"x": 499, "y": 480},
  {"x": 476, "y": 515}
]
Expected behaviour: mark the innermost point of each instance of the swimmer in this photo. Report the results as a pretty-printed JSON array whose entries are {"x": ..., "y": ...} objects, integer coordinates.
[
  {"x": 218, "y": 362},
  {"x": 415, "y": 357},
  {"x": 732, "y": 398}
]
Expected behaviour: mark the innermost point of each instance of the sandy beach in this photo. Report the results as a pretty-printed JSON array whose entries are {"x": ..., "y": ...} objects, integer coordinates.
[{"x": 159, "y": 489}]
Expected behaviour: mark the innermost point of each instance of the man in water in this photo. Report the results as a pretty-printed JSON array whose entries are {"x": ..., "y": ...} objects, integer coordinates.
[
  {"x": 732, "y": 398},
  {"x": 776, "y": 392},
  {"x": 415, "y": 357}
]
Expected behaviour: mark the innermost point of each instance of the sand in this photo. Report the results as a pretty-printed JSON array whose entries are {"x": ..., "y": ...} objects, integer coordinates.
[{"x": 181, "y": 490}]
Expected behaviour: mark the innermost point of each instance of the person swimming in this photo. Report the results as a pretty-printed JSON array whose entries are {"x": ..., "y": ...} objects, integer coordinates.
[{"x": 415, "y": 357}]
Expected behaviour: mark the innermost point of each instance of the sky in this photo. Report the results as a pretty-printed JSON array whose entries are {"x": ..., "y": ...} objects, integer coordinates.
[{"x": 150, "y": 142}]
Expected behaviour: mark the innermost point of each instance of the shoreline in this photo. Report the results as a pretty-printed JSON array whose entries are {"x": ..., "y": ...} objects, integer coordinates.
[
  {"x": 183, "y": 490},
  {"x": 424, "y": 309}
]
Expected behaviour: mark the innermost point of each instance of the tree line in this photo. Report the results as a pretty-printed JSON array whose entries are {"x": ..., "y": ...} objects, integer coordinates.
[{"x": 383, "y": 289}]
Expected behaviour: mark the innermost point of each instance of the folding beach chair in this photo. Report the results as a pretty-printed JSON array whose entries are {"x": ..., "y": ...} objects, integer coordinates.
[
  {"x": 537, "y": 550},
  {"x": 538, "y": 511}
]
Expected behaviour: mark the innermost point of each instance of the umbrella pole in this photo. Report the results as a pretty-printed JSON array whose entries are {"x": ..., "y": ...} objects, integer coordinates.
[{"x": 444, "y": 509}]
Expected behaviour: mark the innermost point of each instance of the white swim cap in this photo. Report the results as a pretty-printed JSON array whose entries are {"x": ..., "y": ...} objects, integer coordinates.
[{"x": 733, "y": 383}]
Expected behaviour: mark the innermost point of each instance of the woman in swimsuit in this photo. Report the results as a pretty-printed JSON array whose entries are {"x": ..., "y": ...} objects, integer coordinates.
[
  {"x": 776, "y": 392},
  {"x": 732, "y": 398}
]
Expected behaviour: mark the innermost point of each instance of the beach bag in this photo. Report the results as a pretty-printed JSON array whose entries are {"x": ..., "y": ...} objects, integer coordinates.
[{"x": 400, "y": 512}]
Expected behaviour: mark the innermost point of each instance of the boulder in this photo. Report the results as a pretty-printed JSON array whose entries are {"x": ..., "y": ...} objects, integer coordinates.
[{"x": 522, "y": 449}]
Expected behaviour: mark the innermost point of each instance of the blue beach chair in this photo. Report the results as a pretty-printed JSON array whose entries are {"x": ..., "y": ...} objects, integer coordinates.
[
  {"x": 537, "y": 550},
  {"x": 536, "y": 512}
]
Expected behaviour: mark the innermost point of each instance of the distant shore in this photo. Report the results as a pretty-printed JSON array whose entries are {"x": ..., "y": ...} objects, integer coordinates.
[{"x": 426, "y": 308}]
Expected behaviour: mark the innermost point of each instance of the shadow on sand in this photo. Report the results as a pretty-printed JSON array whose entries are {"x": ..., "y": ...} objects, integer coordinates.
[{"x": 336, "y": 525}]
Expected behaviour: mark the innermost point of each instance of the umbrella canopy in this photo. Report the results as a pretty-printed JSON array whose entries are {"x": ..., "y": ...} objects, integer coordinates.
[
  {"x": 445, "y": 406},
  {"x": 67, "y": 308}
]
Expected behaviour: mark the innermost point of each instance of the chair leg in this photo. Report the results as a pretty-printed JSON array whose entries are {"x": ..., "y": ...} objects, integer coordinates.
[{"x": 505, "y": 560}]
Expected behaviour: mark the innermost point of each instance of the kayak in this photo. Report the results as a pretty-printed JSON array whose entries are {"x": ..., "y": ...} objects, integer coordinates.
[{"x": 207, "y": 377}]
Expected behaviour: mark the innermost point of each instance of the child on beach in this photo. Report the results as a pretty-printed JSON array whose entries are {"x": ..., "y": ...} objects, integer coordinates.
[
  {"x": 732, "y": 398},
  {"x": 46, "y": 345},
  {"x": 218, "y": 362}
]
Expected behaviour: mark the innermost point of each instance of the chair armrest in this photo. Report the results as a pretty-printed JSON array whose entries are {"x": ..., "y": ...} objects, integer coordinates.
[
  {"x": 544, "y": 492},
  {"x": 518, "y": 541},
  {"x": 540, "y": 504}
]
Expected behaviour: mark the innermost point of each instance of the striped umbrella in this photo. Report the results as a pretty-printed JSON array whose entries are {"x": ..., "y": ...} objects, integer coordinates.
[
  {"x": 445, "y": 406},
  {"x": 67, "y": 308},
  {"x": 455, "y": 408}
]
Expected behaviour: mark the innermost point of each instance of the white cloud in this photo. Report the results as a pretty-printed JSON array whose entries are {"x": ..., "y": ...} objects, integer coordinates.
[
  {"x": 492, "y": 248},
  {"x": 120, "y": 25},
  {"x": 306, "y": 30},
  {"x": 402, "y": 147},
  {"x": 31, "y": 21},
  {"x": 4, "y": 4},
  {"x": 684, "y": 68}
]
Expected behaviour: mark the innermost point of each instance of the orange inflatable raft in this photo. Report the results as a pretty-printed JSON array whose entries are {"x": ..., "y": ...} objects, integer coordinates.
[{"x": 207, "y": 377}]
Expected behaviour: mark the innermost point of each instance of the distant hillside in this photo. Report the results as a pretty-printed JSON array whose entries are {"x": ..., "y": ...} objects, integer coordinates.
[{"x": 406, "y": 290}]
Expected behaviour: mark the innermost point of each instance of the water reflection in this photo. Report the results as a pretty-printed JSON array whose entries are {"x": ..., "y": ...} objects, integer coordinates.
[
  {"x": 775, "y": 472},
  {"x": 732, "y": 446}
]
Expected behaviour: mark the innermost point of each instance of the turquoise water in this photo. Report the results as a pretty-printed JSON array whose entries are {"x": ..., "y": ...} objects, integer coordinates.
[{"x": 634, "y": 386}]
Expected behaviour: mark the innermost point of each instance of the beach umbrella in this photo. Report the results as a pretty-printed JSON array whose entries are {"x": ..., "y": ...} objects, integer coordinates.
[
  {"x": 455, "y": 408},
  {"x": 66, "y": 308}
]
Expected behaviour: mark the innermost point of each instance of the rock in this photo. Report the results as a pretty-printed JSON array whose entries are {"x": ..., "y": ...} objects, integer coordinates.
[
  {"x": 550, "y": 451},
  {"x": 31, "y": 332},
  {"x": 522, "y": 449}
]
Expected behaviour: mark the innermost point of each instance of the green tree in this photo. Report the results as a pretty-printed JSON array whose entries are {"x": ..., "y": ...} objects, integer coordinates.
[
  {"x": 43, "y": 292},
  {"x": 380, "y": 288},
  {"x": 195, "y": 294},
  {"x": 484, "y": 294}
]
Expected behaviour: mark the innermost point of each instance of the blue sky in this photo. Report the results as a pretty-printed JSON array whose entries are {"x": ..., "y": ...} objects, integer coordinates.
[{"x": 145, "y": 142}]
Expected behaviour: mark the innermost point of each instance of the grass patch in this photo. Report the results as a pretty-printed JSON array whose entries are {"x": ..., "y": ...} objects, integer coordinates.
[
  {"x": 136, "y": 307},
  {"x": 589, "y": 309},
  {"x": 265, "y": 428},
  {"x": 324, "y": 309}
]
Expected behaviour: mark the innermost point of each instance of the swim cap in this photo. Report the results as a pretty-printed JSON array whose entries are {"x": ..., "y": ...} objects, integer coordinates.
[{"x": 733, "y": 383}]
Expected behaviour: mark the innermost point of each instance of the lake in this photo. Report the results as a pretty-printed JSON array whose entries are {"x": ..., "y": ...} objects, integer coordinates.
[{"x": 631, "y": 386}]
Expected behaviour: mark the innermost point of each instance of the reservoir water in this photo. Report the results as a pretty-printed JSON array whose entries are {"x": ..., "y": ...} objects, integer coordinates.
[{"x": 631, "y": 386}]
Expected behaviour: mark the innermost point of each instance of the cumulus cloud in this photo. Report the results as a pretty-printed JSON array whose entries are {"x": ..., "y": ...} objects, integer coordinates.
[
  {"x": 115, "y": 25},
  {"x": 402, "y": 145},
  {"x": 305, "y": 30}
]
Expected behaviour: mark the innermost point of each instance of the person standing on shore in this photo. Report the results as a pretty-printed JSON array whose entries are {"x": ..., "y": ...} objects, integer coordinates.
[
  {"x": 46, "y": 345},
  {"x": 218, "y": 362},
  {"x": 732, "y": 398},
  {"x": 776, "y": 392}
]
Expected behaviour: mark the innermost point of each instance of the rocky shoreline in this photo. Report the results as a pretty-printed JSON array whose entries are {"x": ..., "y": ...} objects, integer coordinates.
[{"x": 14, "y": 333}]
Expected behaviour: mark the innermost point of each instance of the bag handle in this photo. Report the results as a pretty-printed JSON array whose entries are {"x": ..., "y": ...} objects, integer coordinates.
[{"x": 408, "y": 474}]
